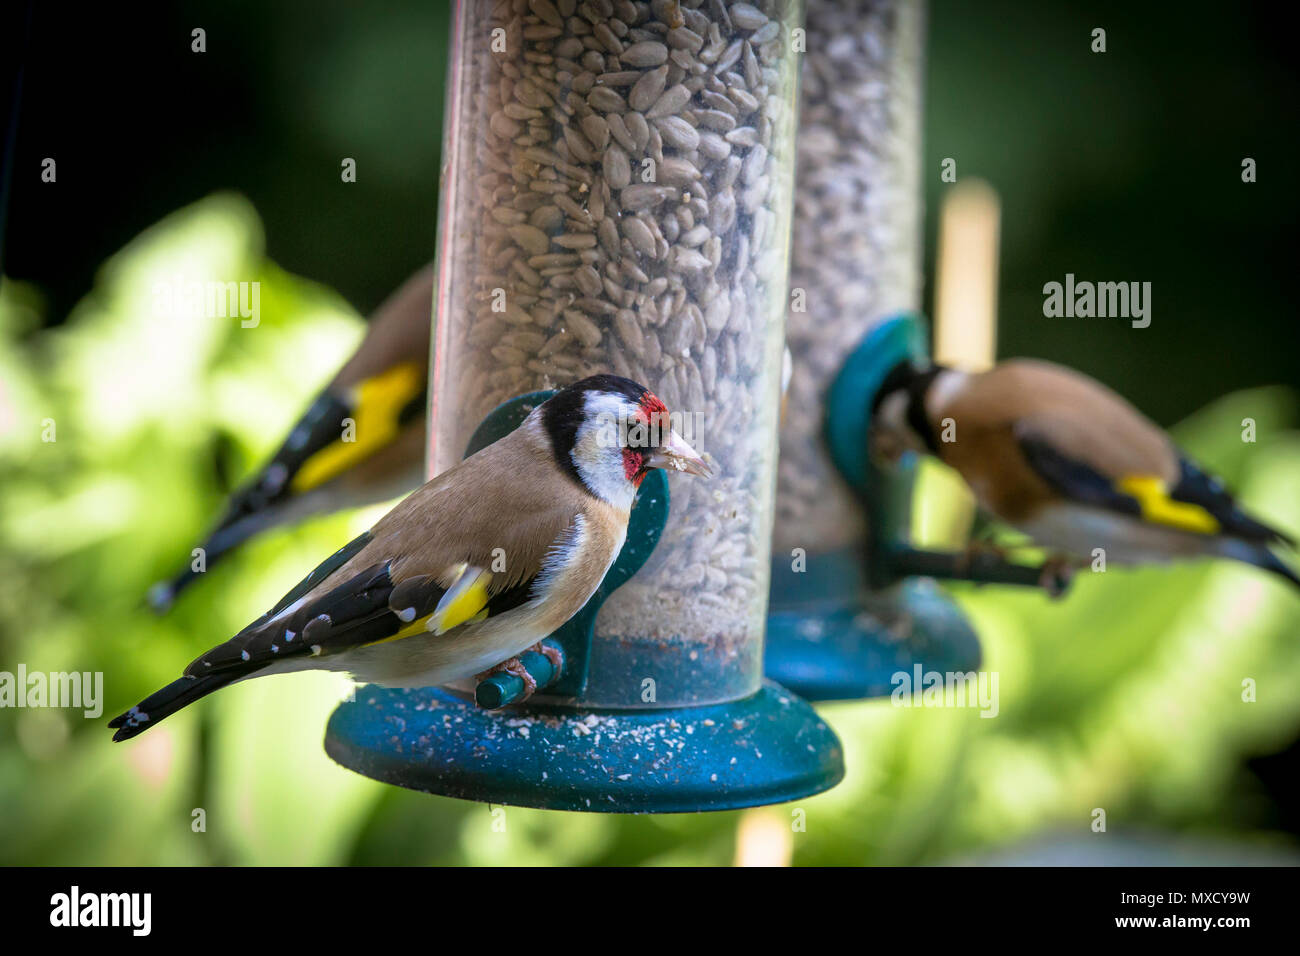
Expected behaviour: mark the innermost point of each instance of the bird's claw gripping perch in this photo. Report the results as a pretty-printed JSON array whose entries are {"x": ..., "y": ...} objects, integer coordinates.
[
  {"x": 532, "y": 675},
  {"x": 551, "y": 653},
  {"x": 516, "y": 667},
  {"x": 1056, "y": 576}
]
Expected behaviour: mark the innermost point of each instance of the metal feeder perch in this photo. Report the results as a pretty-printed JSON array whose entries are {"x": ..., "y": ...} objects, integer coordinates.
[
  {"x": 617, "y": 198},
  {"x": 845, "y": 625}
]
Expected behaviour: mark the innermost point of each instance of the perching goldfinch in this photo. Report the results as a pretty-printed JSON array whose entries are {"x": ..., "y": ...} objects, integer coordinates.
[
  {"x": 1070, "y": 463},
  {"x": 472, "y": 568},
  {"x": 360, "y": 442}
]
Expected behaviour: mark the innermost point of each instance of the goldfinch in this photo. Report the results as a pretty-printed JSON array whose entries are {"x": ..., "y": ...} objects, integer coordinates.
[
  {"x": 360, "y": 442},
  {"x": 472, "y": 568},
  {"x": 1070, "y": 463}
]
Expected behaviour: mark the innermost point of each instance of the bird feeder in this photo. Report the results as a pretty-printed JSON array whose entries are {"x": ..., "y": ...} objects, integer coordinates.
[
  {"x": 617, "y": 198},
  {"x": 841, "y": 623}
]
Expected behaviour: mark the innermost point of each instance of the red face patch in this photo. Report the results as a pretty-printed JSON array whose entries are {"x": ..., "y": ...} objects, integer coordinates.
[
  {"x": 632, "y": 462},
  {"x": 651, "y": 406}
]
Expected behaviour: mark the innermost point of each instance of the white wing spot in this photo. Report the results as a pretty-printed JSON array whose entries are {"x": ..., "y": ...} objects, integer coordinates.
[{"x": 276, "y": 476}]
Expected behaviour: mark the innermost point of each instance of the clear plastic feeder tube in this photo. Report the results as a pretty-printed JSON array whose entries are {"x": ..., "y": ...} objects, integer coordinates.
[
  {"x": 618, "y": 199},
  {"x": 856, "y": 251}
]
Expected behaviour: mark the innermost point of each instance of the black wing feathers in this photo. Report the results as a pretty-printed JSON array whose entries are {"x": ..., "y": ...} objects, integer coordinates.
[
  {"x": 366, "y": 607},
  {"x": 353, "y": 612},
  {"x": 319, "y": 427},
  {"x": 323, "y": 570},
  {"x": 1074, "y": 479},
  {"x": 253, "y": 507},
  {"x": 1197, "y": 488}
]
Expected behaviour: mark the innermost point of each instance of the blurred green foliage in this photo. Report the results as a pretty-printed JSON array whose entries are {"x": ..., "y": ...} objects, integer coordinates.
[{"x": 1126, "y": 696}]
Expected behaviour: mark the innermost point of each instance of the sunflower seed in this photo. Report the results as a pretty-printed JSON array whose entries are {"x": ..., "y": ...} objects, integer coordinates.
[{"x": 647, "y": 53}]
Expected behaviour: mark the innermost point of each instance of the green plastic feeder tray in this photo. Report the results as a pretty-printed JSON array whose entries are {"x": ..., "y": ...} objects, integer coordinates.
[
  {"x": 555, "y": 753},
  {"x": 853, "y": 619}
]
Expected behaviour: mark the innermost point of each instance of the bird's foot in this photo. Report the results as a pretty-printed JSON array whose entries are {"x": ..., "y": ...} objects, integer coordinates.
[
  {"x": 513, "y": 666},
  {"x": 551, "y": 653},
  {"x": 1056, "y": 576},
  {"x": 977, "y": 548}
]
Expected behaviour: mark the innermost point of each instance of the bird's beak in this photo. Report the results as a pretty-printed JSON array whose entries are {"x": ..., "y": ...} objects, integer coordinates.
[{"x": 674, "y": 453}]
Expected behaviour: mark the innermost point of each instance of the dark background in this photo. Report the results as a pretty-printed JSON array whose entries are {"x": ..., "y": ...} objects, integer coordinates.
[{"x": 1123, "y": 166}]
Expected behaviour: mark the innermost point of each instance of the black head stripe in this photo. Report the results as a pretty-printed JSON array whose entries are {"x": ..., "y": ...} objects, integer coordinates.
[
  {"x": 561, "y": 416},
  {"x": 615, "y": 384},
  {"x": 899, "y": 376},
  {"x": 915, "y": 381},
  {"x": 916, "y": 417}
]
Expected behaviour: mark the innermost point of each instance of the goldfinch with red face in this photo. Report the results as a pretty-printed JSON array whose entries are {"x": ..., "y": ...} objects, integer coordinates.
[
  {"x": 471, "y": 569},
  {"x": 1070, "y": 463},
  {"x": 360, "y": 442}
]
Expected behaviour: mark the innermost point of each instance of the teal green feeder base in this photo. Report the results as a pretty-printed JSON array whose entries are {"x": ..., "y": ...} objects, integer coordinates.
[
  {"x": 828, "y": 638},
  {"x": 768, "y": 748}
]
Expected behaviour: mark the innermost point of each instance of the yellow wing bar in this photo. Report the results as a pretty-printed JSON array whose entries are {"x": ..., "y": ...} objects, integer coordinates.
[
  {"x": 464, "y": 603},
  {"x": 463, "y": 600},
  {"x": 1159, "y": 508},
  {"x": 378, "y": 402}
]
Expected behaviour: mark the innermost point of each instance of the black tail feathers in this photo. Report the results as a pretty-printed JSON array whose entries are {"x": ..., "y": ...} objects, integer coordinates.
[
  {"x": 1271, "y": 562},
  {"x": 1260, "y": 556},
  {"x": 226, "y": 538},
  {"x": 163, "y": 703}
]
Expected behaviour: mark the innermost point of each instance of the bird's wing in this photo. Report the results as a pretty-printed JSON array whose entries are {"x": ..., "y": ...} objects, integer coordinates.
[
  {"x": 377, "y": 407},
  {"x": 1197, "y": 488},
  {"x": 379, "y": 390},
  {"x": 1194, "y": 502},
  {"x": 1028, "y": 432},
  {"x": 366, "y": 607},
  {"x": 426, "y": 566},
  {"x": 342, "y": 429}
]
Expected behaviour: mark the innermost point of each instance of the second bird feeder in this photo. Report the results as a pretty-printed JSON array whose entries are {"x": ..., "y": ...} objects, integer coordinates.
[
  {"x": 617, "y": 197},
  {"x": 843, "y": 621}
]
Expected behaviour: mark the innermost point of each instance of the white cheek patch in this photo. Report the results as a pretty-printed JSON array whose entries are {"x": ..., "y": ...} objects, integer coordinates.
[{"x": 598, "y": 453}]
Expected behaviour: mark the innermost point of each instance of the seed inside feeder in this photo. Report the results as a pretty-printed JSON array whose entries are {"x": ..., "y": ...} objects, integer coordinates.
[
  {"x": 619, "y": 199},
  {"x": 855, "y": 255}
]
